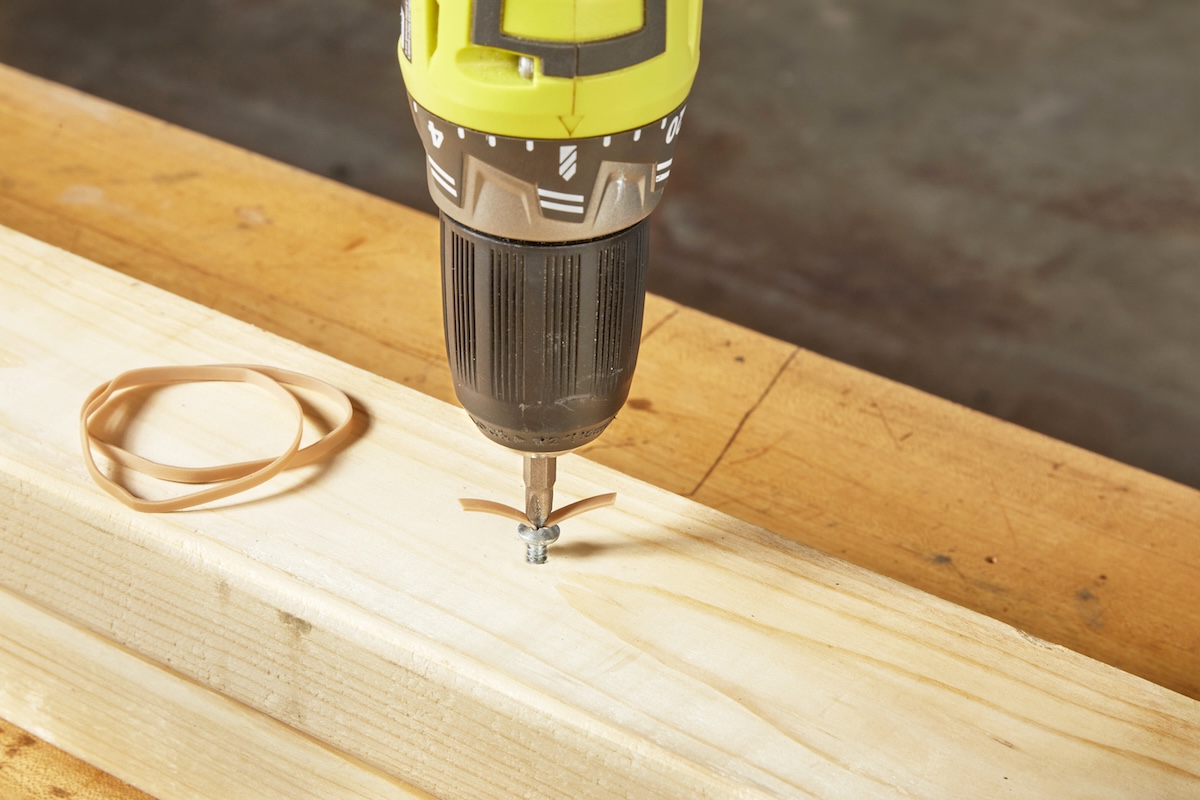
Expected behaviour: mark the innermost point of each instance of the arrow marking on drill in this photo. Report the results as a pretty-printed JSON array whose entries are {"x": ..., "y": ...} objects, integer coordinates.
[
  {"x": 546, "y": 200},
  {"x": 442, "y": 177},
  {"x": 567, "y": 156}
]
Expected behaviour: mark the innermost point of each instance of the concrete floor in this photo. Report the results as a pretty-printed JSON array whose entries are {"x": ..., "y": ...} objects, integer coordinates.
[{"x": 997, "y": 201}]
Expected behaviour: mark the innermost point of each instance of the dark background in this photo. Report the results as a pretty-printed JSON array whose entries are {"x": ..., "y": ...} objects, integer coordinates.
[{"x": 997, "y": 201}]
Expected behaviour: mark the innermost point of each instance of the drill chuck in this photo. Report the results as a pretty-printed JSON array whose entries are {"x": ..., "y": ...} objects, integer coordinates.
[
  {"x": 544, "y": 252},
  {"x": 543, "y": 337}
]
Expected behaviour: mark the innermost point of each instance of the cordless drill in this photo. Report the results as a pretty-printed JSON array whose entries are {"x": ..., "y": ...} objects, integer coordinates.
[{"x": 548, "y": 127}]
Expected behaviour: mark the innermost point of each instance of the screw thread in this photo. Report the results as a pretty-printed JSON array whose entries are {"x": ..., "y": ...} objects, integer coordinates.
[{"x": 535, "y": 553}]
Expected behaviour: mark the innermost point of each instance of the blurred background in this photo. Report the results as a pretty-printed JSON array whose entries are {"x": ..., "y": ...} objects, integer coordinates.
[{"x": 996, "y": 201}]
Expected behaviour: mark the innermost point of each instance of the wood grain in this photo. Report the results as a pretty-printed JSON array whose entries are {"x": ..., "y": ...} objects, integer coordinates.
[
  {"x": 747, "y": 424},
  {"x": 1025, "y": 528},
  {"x": 183, "y": 740},
  {"x": 666, "y": 650},
  {"x": 1089, "y": 553},
  {"x": 31, "y": 769}
]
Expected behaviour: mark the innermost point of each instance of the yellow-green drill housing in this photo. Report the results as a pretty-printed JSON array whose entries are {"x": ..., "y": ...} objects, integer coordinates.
[{"x": 550, "y": 69}]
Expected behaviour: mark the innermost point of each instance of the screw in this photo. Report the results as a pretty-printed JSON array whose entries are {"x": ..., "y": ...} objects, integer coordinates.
[{"x": 536, "y": 541}]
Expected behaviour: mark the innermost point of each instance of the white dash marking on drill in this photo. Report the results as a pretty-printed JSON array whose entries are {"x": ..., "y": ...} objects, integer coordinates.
[
  {"x": 546, "y": 204},
  {"x": 573, "y": 202},
  {"x": 578, "y": 198},
  {"x": 663, "y": 171},
  {"x": 443, "y": 178}
]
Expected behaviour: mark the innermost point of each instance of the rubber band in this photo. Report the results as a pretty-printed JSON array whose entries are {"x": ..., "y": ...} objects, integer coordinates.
[
  {"x": 557, "y": 516},
  {"x": 493, "y": 507},
  {"x": 581, "y": 506},
  {"x": 230, "y": 478}
]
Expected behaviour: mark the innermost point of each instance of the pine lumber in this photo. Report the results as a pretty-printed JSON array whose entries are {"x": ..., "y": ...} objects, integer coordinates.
[
  {"x": 666, "y": 650},
  {"x": 1071, "y": 547},
  {"x": 184, "y": 740}
]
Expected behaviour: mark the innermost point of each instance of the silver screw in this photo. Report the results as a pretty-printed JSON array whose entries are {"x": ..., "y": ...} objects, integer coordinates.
[
  {"x": 525, "y": 67},
  {"x": 536, "y": 540}
]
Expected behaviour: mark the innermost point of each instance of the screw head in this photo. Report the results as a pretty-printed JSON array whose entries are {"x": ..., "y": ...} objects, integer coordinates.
[{"x": 532, "y": 535}]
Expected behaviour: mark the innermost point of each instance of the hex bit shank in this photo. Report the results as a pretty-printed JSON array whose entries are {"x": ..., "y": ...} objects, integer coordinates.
[{"x": 540, "y": 472}]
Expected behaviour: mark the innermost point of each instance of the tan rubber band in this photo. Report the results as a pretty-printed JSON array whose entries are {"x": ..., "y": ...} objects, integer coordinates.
[
  {"x": 560, "y": 515},
  {"x": 231, "y": 478}
]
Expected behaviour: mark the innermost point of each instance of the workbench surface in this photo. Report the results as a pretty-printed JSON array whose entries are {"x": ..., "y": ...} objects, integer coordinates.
[{"x": 1063, "y": 544}]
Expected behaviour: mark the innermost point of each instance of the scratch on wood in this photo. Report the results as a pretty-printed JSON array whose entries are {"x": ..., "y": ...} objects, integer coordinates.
[
  {"x": 653, "y": 329},
  {"x": 1090, "y": 609},
  {"x": 941, "y": 559},
  {"x": 742, "y": 422},
  {"x": 1012, "y": 533},
  {"x": 887, "y": 426},
  {"x": 760, "y": 452},
  {"x": 1004, "y": 742}
]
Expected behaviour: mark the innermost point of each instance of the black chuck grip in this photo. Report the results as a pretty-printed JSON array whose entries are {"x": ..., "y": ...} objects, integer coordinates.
[{"x": 543, "y": 337}]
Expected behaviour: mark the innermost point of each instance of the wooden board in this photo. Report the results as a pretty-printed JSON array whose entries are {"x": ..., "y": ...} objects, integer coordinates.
[
  {"x": 1056, "y": 541},
  {"x": 666, "y": 650},
  {"x": 31, "y": 769},
  {"x": 176, "y": 738}
]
